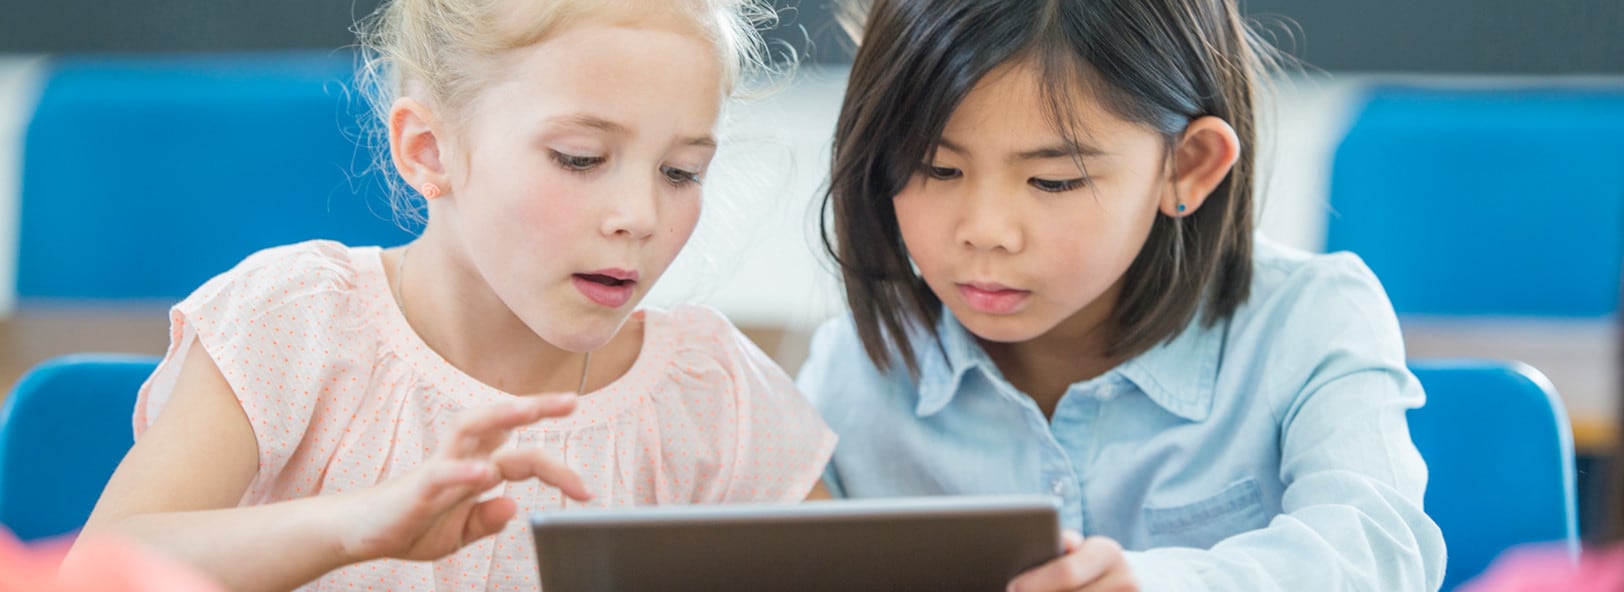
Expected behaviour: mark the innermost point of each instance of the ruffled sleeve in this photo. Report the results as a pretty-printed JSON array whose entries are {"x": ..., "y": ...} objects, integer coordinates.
[{"x": 280, "y": 328}]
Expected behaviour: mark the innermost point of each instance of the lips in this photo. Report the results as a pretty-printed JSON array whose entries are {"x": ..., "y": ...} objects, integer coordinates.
[
  {"x": 611, "y": 288},
  {"x": 993, "y": 298}
]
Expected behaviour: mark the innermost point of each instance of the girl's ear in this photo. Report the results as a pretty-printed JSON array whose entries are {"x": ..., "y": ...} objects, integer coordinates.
[
  {"x": 1202, "y": 159},
  {"x": 414, "y": 145}
]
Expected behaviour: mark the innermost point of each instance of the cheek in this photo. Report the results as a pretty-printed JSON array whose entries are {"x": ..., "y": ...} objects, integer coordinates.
[
  {"x": 679, "y": 216},
  {"x": 556, "y": 201},
  {"x": 520, "y": 222},
  {"x": 684, "y": 218},
  {"x": 919, "y": 224},
  {"x": 1102, "y": 237}
]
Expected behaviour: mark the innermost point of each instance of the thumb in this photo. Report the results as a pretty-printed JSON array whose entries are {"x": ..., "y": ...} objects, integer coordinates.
[
  {"x": 1071, "y": 541},
  {"x": 487, "y": 518}
]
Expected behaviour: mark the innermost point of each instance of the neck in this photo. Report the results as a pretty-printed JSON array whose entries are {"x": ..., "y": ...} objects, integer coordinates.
[
  {"x": 455, "y": 312},
  {"x": 1045, "y": 366}
]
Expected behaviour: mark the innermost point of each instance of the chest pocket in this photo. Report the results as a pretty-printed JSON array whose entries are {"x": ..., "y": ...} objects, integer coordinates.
[{"x": 1237, "y": 509}]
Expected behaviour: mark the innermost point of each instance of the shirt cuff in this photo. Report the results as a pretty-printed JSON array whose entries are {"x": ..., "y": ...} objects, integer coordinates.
[{"x": 1163, "y": 571}]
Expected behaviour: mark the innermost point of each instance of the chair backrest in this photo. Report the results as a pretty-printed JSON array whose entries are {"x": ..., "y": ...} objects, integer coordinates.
[
  {"x": 192, "y": 160},
  {"x": 62, "y": 432},
  {"x": 1486, "y": 201},
  {"x": 1500, "y": 457}
]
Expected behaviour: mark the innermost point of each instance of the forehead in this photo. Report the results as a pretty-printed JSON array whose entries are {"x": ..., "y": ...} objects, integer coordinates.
[
  {"x": 633, "y": 76},
  {"x": 1020, "y": 99}
]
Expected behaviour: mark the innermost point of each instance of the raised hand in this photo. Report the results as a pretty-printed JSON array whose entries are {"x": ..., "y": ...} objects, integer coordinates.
[{"x": 431, "y": 511}]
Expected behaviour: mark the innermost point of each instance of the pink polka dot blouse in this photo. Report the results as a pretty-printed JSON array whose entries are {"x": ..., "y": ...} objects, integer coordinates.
[{"x": 342, "y": 394}]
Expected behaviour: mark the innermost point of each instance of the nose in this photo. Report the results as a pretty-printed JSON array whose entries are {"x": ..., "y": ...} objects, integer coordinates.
[
  {"x": 634, "y": 211},
  {"x": 988, "y": 221}
]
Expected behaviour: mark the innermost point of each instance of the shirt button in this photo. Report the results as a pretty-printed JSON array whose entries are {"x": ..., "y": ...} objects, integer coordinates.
[{"x": 1059, "y": 487}]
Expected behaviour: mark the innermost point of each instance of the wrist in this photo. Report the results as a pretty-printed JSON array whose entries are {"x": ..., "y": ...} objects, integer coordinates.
[{"x": 332, "y": 528}]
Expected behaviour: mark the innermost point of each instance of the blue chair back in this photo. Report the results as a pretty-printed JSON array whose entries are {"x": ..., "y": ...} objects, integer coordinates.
[
  {"x": 1500, "y": 457},
  {"x": 1487, "y": 202},
  {"x": 144, "y": 176},
  {"x": 63, "y": 430}
]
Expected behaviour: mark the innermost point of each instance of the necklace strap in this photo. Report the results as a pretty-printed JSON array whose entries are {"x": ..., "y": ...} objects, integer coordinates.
[{"x": 586, "y": 362}]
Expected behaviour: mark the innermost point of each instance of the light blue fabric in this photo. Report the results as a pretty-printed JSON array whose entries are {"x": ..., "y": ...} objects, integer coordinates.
[{"x": 1269, "y": 452}]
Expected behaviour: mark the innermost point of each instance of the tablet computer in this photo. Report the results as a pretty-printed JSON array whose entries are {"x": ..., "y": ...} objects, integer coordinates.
[{"x": 928, "y": 543}]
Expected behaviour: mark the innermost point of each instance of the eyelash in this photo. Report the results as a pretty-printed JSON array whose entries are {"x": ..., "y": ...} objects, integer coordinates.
[
  {"x": 1060, "y": 186},
  {"x": 584, "y": 164},
  {"x": 936, "y": 172},
  {"x": 678, "y": 177},
  {"x": 1044, "y": 185},
  {"x": 577, "y": 164}
]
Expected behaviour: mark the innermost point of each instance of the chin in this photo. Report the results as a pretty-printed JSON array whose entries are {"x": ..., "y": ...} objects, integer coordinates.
[
  {"x": 581, "y": 332},
  {"x": 1014, "y": 328}
]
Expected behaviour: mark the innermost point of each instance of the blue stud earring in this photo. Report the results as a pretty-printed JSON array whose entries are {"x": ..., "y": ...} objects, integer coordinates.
[{"x": 1181, "y": 207}]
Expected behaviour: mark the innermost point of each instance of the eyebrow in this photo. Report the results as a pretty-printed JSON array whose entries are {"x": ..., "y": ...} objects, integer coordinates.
[
  {"x": 1066, "y": 150},
  {"x": 601, "y": 124}
]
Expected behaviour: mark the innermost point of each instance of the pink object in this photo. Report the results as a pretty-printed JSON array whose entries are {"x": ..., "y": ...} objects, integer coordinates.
[
  {"x": 342, "y": 394},
  {"x": 109, "y": 565},
  {"x": 431, "y": 191},
  {"x": 1543, "y": 568}
]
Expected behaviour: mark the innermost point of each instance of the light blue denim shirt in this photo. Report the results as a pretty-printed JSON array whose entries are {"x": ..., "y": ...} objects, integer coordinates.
[{"x": 1269, "y": 452}]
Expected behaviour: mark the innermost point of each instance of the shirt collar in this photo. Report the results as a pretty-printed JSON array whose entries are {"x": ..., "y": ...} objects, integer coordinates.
[
  {"x": 942, "y": 369},
  {"x": 1180, "y": 375}
]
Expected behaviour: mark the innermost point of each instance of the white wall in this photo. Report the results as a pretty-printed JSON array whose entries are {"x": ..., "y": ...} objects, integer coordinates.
[{"x": 20, "y": 80}]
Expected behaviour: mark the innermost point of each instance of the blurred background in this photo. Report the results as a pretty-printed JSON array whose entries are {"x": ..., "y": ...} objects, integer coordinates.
[{"x": 1467, "y": 149}]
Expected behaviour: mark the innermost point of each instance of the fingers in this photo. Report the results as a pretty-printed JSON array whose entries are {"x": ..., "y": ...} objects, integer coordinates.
[
  {"x": 1096, "y": 560},
  {"x": 487, "y": 518},
  {"x": 449, "y": 483},
  {"x": 523, "y": 463},
  {"x": 481, "y": 431}
]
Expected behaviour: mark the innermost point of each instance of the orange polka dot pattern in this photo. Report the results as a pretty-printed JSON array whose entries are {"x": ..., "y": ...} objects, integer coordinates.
[{"x": 342, "y": 394}]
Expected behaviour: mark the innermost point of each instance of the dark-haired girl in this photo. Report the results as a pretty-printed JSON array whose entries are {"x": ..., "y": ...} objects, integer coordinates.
[{"x": 1043, "y": 213}]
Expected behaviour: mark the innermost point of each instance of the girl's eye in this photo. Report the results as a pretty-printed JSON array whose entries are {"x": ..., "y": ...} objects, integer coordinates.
[
  {"x": 678, "y": 177},
  {"x": 943, "y": 173},
  {"x": 579, "y": 164},
  {"x": 1060, "y": 186}
]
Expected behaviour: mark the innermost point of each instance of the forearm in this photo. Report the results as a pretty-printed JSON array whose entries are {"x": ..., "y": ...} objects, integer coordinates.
[
  {"x": 271, "y": 547},
  {"x": 1374, "y": 540}
]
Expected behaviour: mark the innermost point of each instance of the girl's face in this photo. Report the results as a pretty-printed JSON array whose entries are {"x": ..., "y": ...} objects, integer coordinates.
[
  {"x": 579, "y": 174},
  {"x": 1015, "y": 238}
]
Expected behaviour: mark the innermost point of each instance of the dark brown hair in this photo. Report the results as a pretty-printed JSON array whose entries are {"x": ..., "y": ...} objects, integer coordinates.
[{"x": 1159, "y": 63}]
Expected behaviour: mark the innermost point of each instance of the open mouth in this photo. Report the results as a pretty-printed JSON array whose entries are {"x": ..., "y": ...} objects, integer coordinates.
[
  {"x": 598, "y": 278},
  {"x": 607, "y": 287}
]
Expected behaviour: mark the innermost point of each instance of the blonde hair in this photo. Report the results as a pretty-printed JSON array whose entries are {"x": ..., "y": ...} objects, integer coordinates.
[{"x": 444, "y": 51}]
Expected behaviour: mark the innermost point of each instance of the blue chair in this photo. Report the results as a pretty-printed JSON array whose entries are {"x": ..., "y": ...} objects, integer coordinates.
[
  {"x": 194, "y": 161},
  {"x": 1500, "y": 454},
  {"x": 62, "y": 432},
  {"x": 1486, "y": 202}
]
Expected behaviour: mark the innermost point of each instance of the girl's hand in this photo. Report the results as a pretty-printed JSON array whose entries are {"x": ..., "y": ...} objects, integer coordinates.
[
  {"x": 1092, "y": 565},
  {"x": 430, "y": 512}
]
